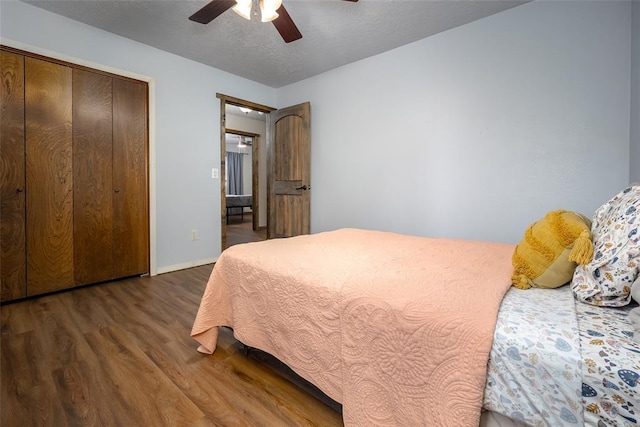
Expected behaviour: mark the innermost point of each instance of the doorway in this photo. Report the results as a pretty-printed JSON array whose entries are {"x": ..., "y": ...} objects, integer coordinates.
[
  {"x": 242, "y": 187},
  {"x": 242, "y": 170}
]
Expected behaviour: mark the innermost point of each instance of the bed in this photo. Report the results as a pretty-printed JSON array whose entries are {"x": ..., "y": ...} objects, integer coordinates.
[
  {"x": 237, "y": 202},
  {"x": 405, "y": 330}
]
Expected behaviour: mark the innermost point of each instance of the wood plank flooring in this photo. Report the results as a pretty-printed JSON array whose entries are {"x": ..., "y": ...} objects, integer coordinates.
[
  {"x": 120, "y": 354},
  {"x": 240, "y": 230}
]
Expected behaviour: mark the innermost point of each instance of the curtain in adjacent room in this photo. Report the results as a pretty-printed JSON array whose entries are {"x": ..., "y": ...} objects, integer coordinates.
[
  {"x": 234, "y": 164},
  {"x": 234, "y": 178}
]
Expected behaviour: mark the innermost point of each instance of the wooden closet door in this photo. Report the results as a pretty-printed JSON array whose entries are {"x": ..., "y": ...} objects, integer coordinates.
[
  {"x": 13, "y": 268},
  {"x": 49, "y": 201},
  {"x": 92, "y": 177},
  {"x": 130, "y": 199}
]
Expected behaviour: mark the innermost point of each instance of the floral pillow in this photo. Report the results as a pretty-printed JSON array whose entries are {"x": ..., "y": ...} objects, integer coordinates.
[{"x": 607, "y": 279}]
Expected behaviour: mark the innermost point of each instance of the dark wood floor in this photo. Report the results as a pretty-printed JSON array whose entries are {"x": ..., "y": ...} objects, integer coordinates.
[
  {"x": 240, "y": 230},
  {"x": 120, "y": 354}
]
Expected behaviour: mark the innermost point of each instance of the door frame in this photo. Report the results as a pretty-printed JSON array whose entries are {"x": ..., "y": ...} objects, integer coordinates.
[{"x": 224, "y": 100}]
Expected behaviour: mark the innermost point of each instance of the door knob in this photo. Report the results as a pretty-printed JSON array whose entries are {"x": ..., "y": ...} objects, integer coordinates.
[{"x": 117, "y": 190}]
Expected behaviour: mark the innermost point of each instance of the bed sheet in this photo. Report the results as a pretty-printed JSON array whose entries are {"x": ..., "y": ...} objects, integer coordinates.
[
  {"x": 534, "y": 372},
  {"x": 611, "y": 369}
]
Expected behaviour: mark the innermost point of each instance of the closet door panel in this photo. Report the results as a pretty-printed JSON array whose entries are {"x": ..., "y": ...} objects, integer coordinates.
[
  {"x": 92, "y": 177},
  {"x": 131, "y": 218},
  {"x": 49, "y": 201},
  {"x": 13, "y": 268}
]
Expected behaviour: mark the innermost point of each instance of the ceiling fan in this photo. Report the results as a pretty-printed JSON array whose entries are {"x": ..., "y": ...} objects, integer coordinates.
[
  {"x": 271, "y": 10},
  {"x": 244, "y": 142}
]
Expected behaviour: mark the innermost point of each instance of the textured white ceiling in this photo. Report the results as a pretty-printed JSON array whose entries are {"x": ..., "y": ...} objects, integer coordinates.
[{"x": 334, "y": 32}]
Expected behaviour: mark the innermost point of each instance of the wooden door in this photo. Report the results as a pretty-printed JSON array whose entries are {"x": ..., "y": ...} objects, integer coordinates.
[
  {"x": 289, "y": 152},
  {"x": 49, "y": 189},
  {"x": 92, "y": 180},
  {"x": 130, "y": 194},
  {"x": 13, "y": 268}
]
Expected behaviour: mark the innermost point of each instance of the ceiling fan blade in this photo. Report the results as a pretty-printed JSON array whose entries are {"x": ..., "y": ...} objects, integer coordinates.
[
  {"x": 211, "y": 11},
  {"x": 352, "y": 0},
  {"x": 285, "y": 26}
]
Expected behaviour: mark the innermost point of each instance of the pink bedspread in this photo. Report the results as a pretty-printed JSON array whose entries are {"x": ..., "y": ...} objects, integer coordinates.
[{"x": 396, "y": 328}]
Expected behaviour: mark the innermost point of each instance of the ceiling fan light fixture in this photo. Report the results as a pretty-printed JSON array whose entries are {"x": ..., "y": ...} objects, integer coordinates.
[
  {"x": 243, "y": 8},
  {"x": 269, "y": 16},
  {"x": 245, "y": 110},
  {"x": 268, "y": 9}
]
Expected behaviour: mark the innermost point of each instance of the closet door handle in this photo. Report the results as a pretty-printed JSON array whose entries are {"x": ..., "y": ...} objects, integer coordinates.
[
  {"x": 19, "y": 190},
  {"x": 117, "y": 190},
  {"x": 304, "y": 187}
]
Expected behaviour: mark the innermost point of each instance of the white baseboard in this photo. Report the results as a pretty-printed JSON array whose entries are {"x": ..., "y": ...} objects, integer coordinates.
[{"x": 185, "y": 265}]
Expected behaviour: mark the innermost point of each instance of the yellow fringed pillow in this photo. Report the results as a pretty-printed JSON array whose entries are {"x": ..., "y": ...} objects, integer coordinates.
[{"x": 547, "y": 255}]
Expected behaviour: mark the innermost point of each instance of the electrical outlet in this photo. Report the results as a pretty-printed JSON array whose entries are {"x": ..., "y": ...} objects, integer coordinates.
[{"x": 194, "y": 234}]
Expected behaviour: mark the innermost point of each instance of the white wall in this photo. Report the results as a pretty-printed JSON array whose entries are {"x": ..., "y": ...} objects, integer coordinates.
[
  {"x": 634, "y": 154},
  {"x": 478, "y": 131},
  {"x": 186, "y": 129},
  {"x": 247, "y": 176}
]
